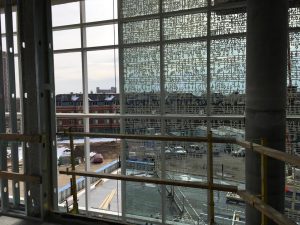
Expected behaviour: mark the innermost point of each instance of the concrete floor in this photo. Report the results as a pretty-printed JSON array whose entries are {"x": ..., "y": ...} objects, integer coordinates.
[{"x": 5, "y": 220}]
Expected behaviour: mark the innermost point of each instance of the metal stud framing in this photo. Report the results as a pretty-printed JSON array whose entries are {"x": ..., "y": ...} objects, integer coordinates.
[
  {"x": 3, "y": 146},
  {"x": 38, "y": 105},
  {"x": 12, "y": 95}
]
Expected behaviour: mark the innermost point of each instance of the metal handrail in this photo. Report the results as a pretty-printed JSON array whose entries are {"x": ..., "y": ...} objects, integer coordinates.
[
  {"x": 150, "y": 180},
  {"x": 250, "y": 199}
]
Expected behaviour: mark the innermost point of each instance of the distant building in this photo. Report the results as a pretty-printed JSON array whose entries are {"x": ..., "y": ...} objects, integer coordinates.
[
  {"x": 112, "y": 90},
  {"x": 98, "y": 103}
]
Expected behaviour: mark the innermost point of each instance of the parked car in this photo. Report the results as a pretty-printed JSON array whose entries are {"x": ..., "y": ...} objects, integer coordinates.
[
  {"x": 97, "y": 158},
  {"x": 241, "y": 152},
  {"x": 179, "y": 150},
  {"x": 174, "y": 151},
  {"x": 200, "y": 149},
  {"x": 233, "y": 198}
]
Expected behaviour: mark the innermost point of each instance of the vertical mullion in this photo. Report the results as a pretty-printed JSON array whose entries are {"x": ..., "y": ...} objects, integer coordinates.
[
  {"x": 85, "y": 102},
  {"x": 52, "y": 189},
  {"x": 162, "y": 111},
  {"x": 12, "y": 97},
  {"x": 3, "y": 145},
  {"x": 122, "y": 106},
  {"x": 208, "y": 109}
]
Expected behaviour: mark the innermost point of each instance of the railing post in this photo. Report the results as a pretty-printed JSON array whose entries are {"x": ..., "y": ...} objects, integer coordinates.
[
  {"x": 73, "y": 183},
  {"x": 263, "y": 163},
  {"x": 210, "y": 179}
]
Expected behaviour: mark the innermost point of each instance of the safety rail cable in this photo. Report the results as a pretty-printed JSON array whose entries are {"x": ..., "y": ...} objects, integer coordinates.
[
  {"x": 200, "y": 219},
  {"x": 185, "y": 200},
  {"x": 249, "y": 198}
]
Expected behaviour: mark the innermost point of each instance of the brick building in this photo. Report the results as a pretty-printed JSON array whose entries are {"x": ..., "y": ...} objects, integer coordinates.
[{"x": 98, "y": 103}]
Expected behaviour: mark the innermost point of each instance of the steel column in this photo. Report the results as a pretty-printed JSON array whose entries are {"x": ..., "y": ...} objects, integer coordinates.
[{"x": 267, "y": 32}]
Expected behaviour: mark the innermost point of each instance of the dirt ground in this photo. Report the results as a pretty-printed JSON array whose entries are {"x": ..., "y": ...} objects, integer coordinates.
[
  {"x": 233, "y": 167},
  {"x": 109, "y": 150}
]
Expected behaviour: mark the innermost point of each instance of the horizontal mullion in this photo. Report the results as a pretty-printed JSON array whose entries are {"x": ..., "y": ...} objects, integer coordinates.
[
  {"x": 164, "y": 15},
  {"x": 193, "y": 39},
  {"x": 288, "y": 117},
  {"x": 149, "y": 116},
  {"x": 70, "y": 50},
  {"x": 87, "y": 24}
]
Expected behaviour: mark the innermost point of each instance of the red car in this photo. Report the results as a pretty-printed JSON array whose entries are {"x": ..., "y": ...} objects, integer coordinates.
[{"x": 97, "y": 158}]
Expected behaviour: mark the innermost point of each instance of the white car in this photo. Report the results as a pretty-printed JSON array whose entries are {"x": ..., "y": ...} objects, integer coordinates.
[
  {"x": 241, "y": 152},
  {"x": 179, "y": 150}
]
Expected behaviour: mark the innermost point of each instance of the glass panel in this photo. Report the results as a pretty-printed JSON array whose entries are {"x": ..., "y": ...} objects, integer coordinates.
[
  {"x": 100, "y": 10},
  {"x": 3, "y": 25},
  {"x": 14, "y": 22},
  {"x": 66, "y": 39},
  {"x": 229, "y": 169},
  {"x": 294, "y": 17},
  {"x": 228, "y": 23},
  {"x": 65, "y": 14},
  {"x": 132, "y": 8},
  {"x": 185, "y": 74},
  {"x": 185, "y": 161},
  {"x": 142, "y": 199},
  {"x": 68, "y": 78},
  {"x": 187, "y": 26},
  {"x": 102, "y": 35},
  {"x": 293, "y": 104},
  {"x": 228, "y": 75},
  {"x": 175, "y": 5},
  {"x": 103, "y": 71},
  {"x": 142, "y": 80},
  {"x": 141, "y": 31},
  {"x": 292, "y": 197},
  {"x": 17, "y": 82},
  {"x": 293, "y": 137},
  {"x": 105, "y": 125}
]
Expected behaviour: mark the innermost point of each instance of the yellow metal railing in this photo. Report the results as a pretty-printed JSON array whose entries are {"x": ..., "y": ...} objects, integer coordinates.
[{"x": 254, "y": 201}]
